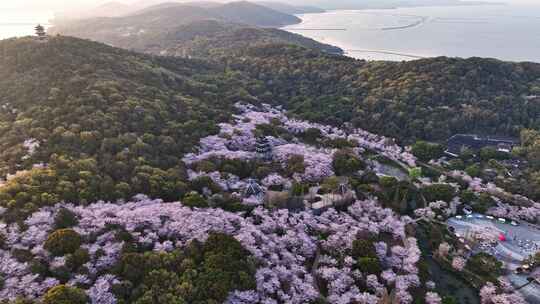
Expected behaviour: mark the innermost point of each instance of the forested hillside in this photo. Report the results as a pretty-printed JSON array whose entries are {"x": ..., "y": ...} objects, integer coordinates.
[
  {"x": 253, "y": 14},
  {"x": 151, "y": 28},
  {"x": 428, "y": 99},
  {"x": 215, "y": 39},
  {"x": 136, "y": 178},
  {"x": 109, "y": 123},
  {"x": 423, "y": 99}
]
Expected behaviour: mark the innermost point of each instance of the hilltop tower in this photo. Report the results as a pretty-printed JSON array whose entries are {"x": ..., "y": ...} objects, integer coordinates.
[
  {"x": 40, "y": 32},
  {"x": 264, "y": 148}
]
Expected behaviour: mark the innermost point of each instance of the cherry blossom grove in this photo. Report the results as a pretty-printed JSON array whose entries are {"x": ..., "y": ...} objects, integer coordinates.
[
  {"x": 236, "y": 141},
  {"x": 491, "y": 294},
  {"x": 284, "y": 243},
  {"x": 527, "y": 209},
  {"x": 318, "y": 162}
]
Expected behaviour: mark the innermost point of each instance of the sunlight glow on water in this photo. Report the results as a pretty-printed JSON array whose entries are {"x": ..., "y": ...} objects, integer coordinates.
[{"x": 501, "y": 31}]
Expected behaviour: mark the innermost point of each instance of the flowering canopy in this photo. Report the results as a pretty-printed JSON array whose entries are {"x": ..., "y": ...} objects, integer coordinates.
[{"x": 282, "y": 242}]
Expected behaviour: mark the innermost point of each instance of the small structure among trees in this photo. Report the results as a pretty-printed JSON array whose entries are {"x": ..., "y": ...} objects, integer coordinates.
[
  {"x": 343, "y": 188},
  {"x": 264, "y": 148},
  {"x": 40, "y": 32},
  {"x": 459, "y": 142},
  {"x": 284, "y": 200},
  {"x": 335, "y": 194},
  {"x": 253, "y": 189}
]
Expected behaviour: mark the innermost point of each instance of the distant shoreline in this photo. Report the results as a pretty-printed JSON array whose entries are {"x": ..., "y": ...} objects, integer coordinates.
[
  {"x": 388, "y": 53},
  {"x": 381, "y": 39},
  {"x": 459, "y": 4},
  {"x": 348, "y": 50}
]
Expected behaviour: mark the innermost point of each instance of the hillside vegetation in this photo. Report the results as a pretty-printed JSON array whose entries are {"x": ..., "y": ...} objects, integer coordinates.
[
  {"x": 428, "y": 99},
  {"x": 109, "y": 123},
  {"x": 424, "y": 99},
  {"x": 152, "y": 26},
  {"x": 135, "y": 178},
  {"x": 214, "y": 39}
]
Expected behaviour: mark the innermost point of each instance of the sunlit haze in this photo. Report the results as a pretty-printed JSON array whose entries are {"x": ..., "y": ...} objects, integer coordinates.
[{"x": 73, "y": 4}]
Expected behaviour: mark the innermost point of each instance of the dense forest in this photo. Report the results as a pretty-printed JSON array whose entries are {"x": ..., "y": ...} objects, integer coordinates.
[
  {"x": 424, "y": 99},
  {"x": 428, "y": 99},
  {"x": 111, "y": 123},
  {"x": 216, "y": 39},
  {"x": 81, "y": 122}
]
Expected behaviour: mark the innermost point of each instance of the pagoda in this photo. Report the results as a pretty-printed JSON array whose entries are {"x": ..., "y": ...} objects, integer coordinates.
[
  {"x": 253, "y": 189},
  {"x": 343, "y": 189},
  {"x": 264, "y": 148},
  {"x": 40, "y": 32}
]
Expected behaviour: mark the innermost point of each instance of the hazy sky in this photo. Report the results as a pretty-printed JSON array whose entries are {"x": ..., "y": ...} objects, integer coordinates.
[{"x": 65, "y": 4}]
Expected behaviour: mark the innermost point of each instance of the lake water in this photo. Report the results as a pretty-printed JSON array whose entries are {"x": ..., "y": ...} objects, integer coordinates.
[
  {"x": 507, "y": 32},
  {"x": 16, "y": 23}
]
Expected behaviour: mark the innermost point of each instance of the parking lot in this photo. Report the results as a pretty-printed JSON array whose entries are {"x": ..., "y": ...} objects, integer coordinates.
[{"x": 513, "y": 242}]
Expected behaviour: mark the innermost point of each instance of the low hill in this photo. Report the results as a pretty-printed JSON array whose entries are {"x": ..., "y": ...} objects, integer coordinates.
[
  {"x": 253, "y": 14},
  {"x": 132, "y": 31},
  {"x": 181, "y": 29},
  {"x": 157, "y": 19},
  {"x": 291, "y": 9},
  {"x": 144, "y": 7},
  {"x": 107, "y": 9},
  {"x": 424, "y": 99},
  {"x": 122, "y": 9},
  {"x": 108, "y": 123},
  {"x": 211, "y": 39}
]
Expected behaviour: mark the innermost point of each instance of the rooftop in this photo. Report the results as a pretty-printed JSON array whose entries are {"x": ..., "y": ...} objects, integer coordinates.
[{"x": 477, "y": 142}]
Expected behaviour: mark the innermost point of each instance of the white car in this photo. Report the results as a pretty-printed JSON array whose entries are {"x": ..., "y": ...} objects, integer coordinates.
[
  {"x": 469, "y": 216},
  {"x": 459, "y": 217},
  {"x": 479, "y": 216},
  {"x": 514, "y": 223},
  {"x": 501, "y": 220},
  {"x": 490, "y": 217}
]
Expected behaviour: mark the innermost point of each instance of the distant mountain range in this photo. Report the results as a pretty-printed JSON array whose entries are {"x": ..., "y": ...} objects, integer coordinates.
[
  {"x": 117, "y": 8},
  {"x": 171, "y": 14},
  {"x": 194, "y": 29},
  {"x": 291, "y": 9}
]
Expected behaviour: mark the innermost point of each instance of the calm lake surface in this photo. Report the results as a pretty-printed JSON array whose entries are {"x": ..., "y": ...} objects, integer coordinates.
[
  {"x": 16, "y": 23},
  {"x": 507, "y": 32}
]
